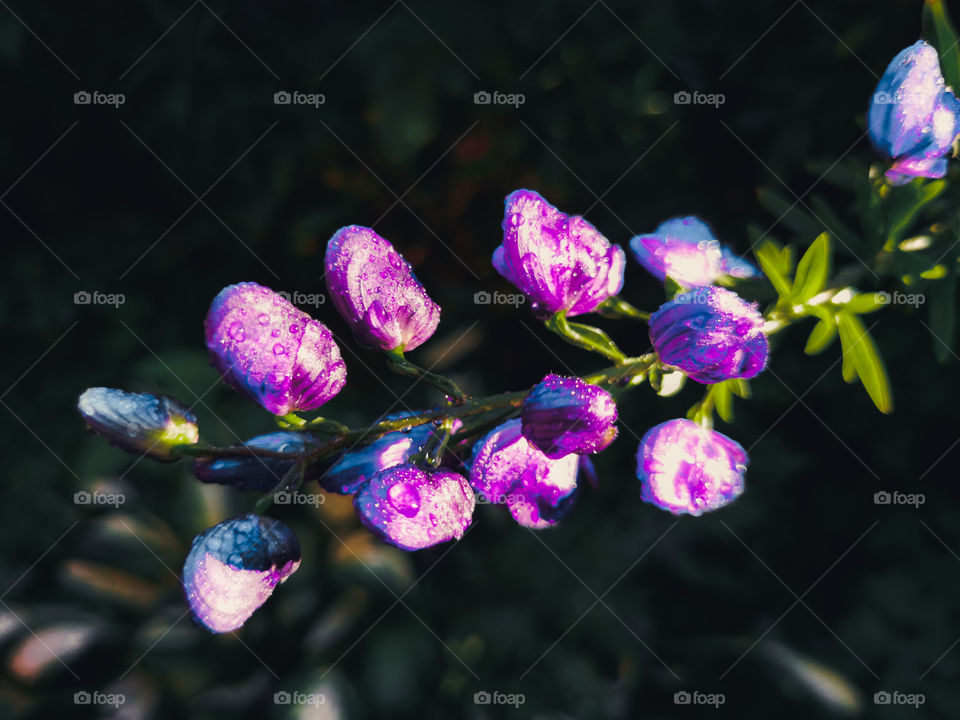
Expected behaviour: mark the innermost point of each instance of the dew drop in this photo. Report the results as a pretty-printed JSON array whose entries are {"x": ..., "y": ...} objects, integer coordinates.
[
  {"x": 279, "y": 349},
  {"x": 404, "y": 498},
  {"x": 263, "y": 319},
  {"x": 235, "y": 330}
]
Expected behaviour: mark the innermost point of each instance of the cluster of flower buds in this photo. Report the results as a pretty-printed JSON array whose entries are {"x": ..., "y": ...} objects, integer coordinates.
[{"x": 409, "y": 486}]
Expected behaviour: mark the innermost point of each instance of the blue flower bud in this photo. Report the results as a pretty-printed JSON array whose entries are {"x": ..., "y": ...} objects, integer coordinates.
[
  {"x": 913, "y": 119},
  {"x": 139, "y": 423},
  {"x": 255, "y": 472},
  {"x": 233, "y": 568}
]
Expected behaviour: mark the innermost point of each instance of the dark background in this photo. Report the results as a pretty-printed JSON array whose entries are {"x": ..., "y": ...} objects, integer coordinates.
[{"x": 107, "y": 199}]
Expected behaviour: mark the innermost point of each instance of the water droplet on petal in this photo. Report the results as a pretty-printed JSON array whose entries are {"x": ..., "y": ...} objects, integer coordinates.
[
  {"x": 235, "y": 330},
  {"x": 404, "y": 498}
]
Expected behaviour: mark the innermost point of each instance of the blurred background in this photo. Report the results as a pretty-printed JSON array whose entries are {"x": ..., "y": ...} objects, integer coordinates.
[{"x": 804, "y": 598}]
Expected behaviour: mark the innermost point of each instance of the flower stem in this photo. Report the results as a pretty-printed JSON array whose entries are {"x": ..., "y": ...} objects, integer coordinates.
[{"x": 400, "y": 365}]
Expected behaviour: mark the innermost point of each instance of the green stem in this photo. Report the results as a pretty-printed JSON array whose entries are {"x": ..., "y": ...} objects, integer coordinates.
[
  {"x": 291, "y": 421},
  {"x": 617, "y": 309},
  {"x": 231, "y": 451},
  {"x": 400, "y": 365},
  {"x": 330, "y": 427},
  {"x": 584, "y": 336}
]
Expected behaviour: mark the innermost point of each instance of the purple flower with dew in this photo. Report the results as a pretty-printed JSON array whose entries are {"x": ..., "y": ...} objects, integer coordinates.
[
  {"x": 561, "y": 262},
  {"x": 566, "y": 415},
  {"x": 255, "y": 472},
  {"x": 272, "y": 352},
  {"x": 348, "y": 471},
  {"x": 376, "y": 292},
  {"x": 685, "y": 249},
  {"x": 710, "y": 333},
  {"x": 233, "y": 568},
  {"x": 913, "y": 119},
  {"x": 140, "y": 423},
  {"x": 414, "y": 508},
  {"x": 686, "y": 468},
  {"x": 507, "y": 470}
]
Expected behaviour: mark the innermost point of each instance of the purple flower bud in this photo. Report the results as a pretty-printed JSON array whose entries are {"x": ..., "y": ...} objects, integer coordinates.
[
  {"x": 560, "y": 261},
  {"x": 348, "y": 471},
  {"x": 685, "y": 468},
  {"x": 140, "y": 423},
  {"x": 376, "y": 292},
  {"x": 710, "y": 333},
  {"x": 913, "y": 118},
  {"x": 233, "y": 568},
  {"x": 254, "y": 472},
  {"x": 272, "y": 352},
  {"x": 507, "y": 470},
  {"x": 414, "y": 508},
  {"x": 685, "y": 250},
  {"x": 566, "y": 415}
]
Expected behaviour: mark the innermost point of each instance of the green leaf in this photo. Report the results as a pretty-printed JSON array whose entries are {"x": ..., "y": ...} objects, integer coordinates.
[
  {"x": 821, "y": 337},
  {"x": 740, "y": 388},
  {"x": 867, "y": 303},
  {"x": 860, "y": 358},
  {"x": 723, "y": 400},
  {"x": 812, "y": 270},
  {"x": 943, "y": 320},
  {"x": 771, "y": 260},
  {"x": 672, "y": 287},
  {"x": 941, "y": 34}
]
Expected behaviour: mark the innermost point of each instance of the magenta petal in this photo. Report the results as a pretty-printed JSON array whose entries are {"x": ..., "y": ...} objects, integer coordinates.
[
  {"x": 567, "y": 415},
  {"x": 375, "y": 290},
  {"x": 414, "y": 508},
  {"x": 507, "y": 470},
  {"x": 688, "y": 469},
  {"x": 560, "y": 262},
  {"x": 712, "y": 334},
  {"x": 272, "y": 352}
]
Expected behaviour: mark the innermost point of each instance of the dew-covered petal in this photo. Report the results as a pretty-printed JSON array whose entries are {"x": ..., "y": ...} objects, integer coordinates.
[
  {"x": 233, "y": 568},
  {"x": 567, "y": 415},
  {"x": 685, "y": 249},
  {"x": 269, "y": 350},
  {"x": 507, "y": 470},
  {"x": 414, "y": 508},
  {"x": 376, "y": 291},
  {"x": 913, "y": 119},
  {"x": 560, "y": 262},
  {"x": 710, "y": 333},
  {"x": 689, "y": 469},
  {"x": 141, "y": 423}
]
